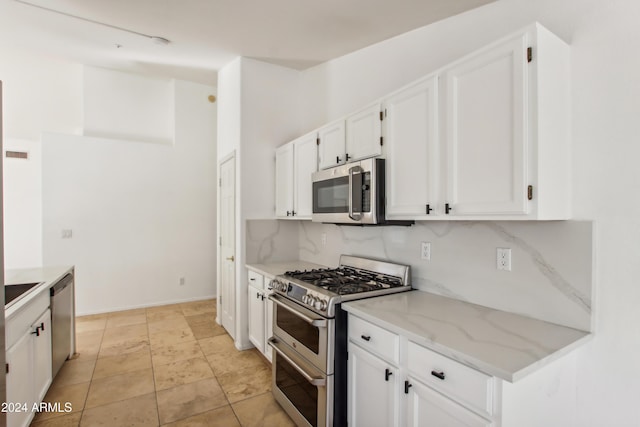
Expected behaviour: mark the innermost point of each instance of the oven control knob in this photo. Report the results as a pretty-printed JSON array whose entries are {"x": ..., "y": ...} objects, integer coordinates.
[
  {"x": 305, "y": 298},
  {"x": 311, "y": 300},
  {"x": 320, "y": 305}
]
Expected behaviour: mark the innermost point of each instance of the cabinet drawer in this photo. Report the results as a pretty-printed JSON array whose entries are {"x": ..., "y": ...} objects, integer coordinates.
[
  {"x": 374, "y": 338},
  {"x": 256, "y": 280},
  {"x": 21, "y": 321},
  {"x": 467, "y": 385}
]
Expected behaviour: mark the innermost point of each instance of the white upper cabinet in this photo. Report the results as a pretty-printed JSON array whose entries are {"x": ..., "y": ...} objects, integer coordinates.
[
  {"x": 507, "y": 131},
  {"x": 411, "y": 138},
  {"x": 284, "y": 180},
  {"x": 364, "y": 133},
  {"x": 305, "y": 154},
  {"x": 487, "y": 137},
  {"x": 295, "y": 163},
  {"x": 486, "y": 115},
  {"x": 331, "y": 149}
]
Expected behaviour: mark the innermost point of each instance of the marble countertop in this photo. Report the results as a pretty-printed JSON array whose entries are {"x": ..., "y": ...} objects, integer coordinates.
[
  {"x": 46, "y": 276},
  {"x": 506, "y": 345},
  {"x": 276, "y": 268}
]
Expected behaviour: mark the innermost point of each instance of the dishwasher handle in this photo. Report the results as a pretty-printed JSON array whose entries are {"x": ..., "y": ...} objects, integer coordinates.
[{"x": 61, "y": 285}]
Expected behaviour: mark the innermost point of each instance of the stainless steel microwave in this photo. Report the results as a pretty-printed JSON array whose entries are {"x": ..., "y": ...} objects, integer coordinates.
[{"x": 353, "y": 193}]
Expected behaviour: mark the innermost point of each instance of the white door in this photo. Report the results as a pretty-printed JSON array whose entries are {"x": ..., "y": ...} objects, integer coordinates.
[
  {"x": 372, "y": 390},
  {"x": 428, "y": 408},
  {"x": 284, "y": 181},
  {"x": 332, "y": 145},
  {"x": 364, "y": 130},
  {"x": 486, "y": 132},
  {"x": 306, "y": 163},
  {"x": 411, "y": 134},
  {"x": 227, "y": 245}
]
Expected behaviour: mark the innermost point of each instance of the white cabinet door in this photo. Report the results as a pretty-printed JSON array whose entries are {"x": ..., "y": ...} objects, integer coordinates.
[
  {"x": 331, "y": 151},
  {"x": 373, "y": 391},
  {"x": 486, "y": 133},
  {"x": 364, "y": 131},
  {"x": 411, "y": 135},
  {"x": 19, "y": 379},
  {"x": 42, "y": 355},
  {"x": 284, "y": 180},
  {"x": 256, "y": 317},
  {"x": 428, "y": 408},
  {"x": 305, "y": 163}
]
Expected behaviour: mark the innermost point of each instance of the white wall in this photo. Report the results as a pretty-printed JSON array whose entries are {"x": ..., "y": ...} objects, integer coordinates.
[
  {"x": 606, "y": 100},
  {"x": 127, "y": 106},
  {"x": 142, "y": 215},
  {"x": 22, "y": 204},
  {"x": 259, "y": 111},
  {"x": 40, "y": 93}
]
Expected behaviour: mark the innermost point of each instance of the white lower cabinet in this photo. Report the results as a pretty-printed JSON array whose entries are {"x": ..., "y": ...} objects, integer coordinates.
[
  {"x": 373, "y": 390},
  {"x": 411, "y": 385},
  {"x": 28, "y": 358},
  {"x": 427, "y": 407},
  {"x": 260, "y": 312}
]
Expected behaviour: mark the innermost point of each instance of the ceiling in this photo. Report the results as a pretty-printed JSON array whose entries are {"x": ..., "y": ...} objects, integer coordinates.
[{"x": 205, "y": 35}]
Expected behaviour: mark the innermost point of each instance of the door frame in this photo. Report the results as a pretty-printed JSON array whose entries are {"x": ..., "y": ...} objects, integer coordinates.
[{"x": 229, "y": 157}]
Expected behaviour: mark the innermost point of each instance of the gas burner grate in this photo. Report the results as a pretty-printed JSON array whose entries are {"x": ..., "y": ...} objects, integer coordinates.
[{"x": 346, "y": 280}]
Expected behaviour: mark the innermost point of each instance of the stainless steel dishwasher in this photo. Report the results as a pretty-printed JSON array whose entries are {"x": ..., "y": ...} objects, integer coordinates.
[{"x": 61, "y": 312}]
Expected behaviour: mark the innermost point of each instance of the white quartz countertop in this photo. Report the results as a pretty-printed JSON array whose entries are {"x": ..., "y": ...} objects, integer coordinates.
[
  {"x": 506, "y": 345},
  {"x": 276, "y": 268},
  {"x": 46, "y": 276}
]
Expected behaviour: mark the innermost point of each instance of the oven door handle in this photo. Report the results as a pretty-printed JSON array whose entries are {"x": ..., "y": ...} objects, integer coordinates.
[
  {"x": 351, "y": 214},
  {"x": 317, "y": 381},
  {"x": 320, "y": 323}
]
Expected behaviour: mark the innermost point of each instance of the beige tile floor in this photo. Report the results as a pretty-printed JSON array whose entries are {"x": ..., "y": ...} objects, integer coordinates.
[{"x": 162, "y": 366}]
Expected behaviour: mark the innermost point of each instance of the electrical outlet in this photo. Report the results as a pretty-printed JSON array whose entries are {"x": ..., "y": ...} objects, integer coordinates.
[
  {"x": 503, "y": 259},
  {"x": 323, "y": 239},
  {"x": 425, "y": 251},
  {"x": 183, "y": 281}
]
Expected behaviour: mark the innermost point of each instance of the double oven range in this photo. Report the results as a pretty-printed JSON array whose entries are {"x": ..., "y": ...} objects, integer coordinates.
[{"x": 310, "y": 334}]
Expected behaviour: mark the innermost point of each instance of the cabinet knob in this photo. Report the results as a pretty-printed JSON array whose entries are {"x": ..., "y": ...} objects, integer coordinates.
[{"x": 438, "y": 374}]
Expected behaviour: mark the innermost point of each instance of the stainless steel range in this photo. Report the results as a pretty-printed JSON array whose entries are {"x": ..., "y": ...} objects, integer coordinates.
[{"x": 310, "y": 334}]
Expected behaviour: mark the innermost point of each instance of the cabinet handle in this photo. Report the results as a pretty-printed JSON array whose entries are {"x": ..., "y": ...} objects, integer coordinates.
[
  {"x": 347, "y": 156},
  {"x": 262, "y": 296},
  {"x": 288, "y": 213},
  {"x": 438, "y": 374},
  {"x": 365, "y": 337},
  {"x": 429, "y": 209},
  {"x": 36, "y": 332},
  {"x": 447, "y": 208},
  {"x": 337, "y": 159},
  {"x": 257, "y": 295},
  {"x": 407, "y": 385},
  {"x": 387, "y": 374},
  {"x": 293, "y": 213},
  {"x": 252, "y": 279},
  {"x": 42, "y": 326}
]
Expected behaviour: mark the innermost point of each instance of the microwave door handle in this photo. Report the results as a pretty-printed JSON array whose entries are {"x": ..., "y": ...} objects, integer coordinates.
[{"x": 351, "y": 213}]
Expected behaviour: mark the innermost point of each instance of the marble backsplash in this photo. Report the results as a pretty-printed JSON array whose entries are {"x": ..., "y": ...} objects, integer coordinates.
[{"x": 551, "y": 276}]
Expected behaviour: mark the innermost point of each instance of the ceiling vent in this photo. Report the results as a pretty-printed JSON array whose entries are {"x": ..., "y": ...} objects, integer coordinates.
[{"x": 16, "y": 154}]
